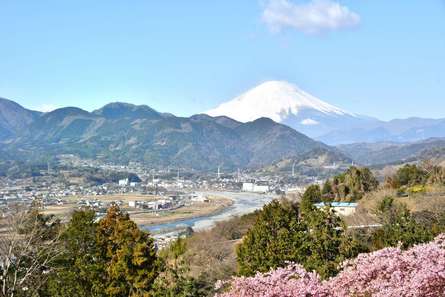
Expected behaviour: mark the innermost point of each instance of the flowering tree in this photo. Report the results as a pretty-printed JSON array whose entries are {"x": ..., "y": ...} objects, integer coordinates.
[
  {"x": 419, "y": 271},
  {"x": 292, "y": 281},
  {"x": 390, "y": 272}
]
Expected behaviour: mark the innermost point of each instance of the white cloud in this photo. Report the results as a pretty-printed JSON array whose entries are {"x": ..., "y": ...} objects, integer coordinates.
[
  {"x": 46, "y": 107},
  {"x": 315, "y": 16},
  {"x": 309, "y": 122}
]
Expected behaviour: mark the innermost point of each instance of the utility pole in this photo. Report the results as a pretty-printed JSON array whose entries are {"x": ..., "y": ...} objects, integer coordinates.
[
  {"x": 293, "y": 169},
  {"x": 155, "y": 186}
]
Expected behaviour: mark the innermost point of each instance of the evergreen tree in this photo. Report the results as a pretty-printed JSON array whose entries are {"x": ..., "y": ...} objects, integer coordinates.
[
  {"x": 399, "y": 226},
  {"x": 112, "y": 258},
  {"x": 277, "y": 237},
  {"x": 327, "y": 243},
  {"x": 409, "y": 175},
  {"x": 81, "y": 272},
  {"x": 280, "y": 235},
  {"x": 129, "y": 254},
  {"x": 311, "y": 195},
  {"x": 327, "y": 192},
  {"x": 350, "y": 185}
]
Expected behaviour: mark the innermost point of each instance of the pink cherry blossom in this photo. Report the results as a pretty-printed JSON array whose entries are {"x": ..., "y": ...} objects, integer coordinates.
[{"x": 390, "y": 272}]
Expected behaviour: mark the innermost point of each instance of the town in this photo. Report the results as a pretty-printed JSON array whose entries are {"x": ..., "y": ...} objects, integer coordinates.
[{"x": 73, "y": 178}]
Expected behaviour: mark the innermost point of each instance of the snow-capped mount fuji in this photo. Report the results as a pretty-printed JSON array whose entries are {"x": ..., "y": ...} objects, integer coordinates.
[
  {"x": 275, "y": 100},
  {"x": 285, "y": 103}
]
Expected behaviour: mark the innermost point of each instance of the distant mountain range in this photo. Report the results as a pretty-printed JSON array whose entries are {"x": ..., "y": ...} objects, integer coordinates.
[
  {"x": 257, "y": 129},
  {"x": 121, "y": 132},
  {"x": 382, "y": 153},
  {"x": 14, "y": 118},
  {"x": 286, "y": 103}
]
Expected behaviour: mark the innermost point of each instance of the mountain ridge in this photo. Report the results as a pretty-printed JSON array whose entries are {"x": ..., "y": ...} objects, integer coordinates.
[
  {"x": 15, "y": 119},
  {"x": 382, "y": 153},
  {"x": 274, "y": 100},
  {"x": 288, "y": 104},
  {"x": 123, "y": 132}
]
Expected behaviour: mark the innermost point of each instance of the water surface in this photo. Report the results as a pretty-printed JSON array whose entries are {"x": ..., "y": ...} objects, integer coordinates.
[{"x": 243, "y": 203}]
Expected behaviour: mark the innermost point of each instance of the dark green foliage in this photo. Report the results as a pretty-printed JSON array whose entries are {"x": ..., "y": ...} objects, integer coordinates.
[
  {"x": 327, "y": 192},
  {"x": 276, "y": 237},
  {"x": 409, "y": 175},
  {"x": 129, "y": 254},
  {"x": 351, "y": 185},
  {"x": 311, "y": 195},
  {"x": 20, "y": 169},
  {"x": 123, "y": 132},
  {"x": 80, "y": 271},
  {"x": 110, "y": 258},
  {"x": 327, "y": 243},
  {"x": 399, "y": 226},
  {"x": 315, "y": 240}
]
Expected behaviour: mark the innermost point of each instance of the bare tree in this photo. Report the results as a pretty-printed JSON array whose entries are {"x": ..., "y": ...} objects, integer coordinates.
[{"x": 28, "y": 248}]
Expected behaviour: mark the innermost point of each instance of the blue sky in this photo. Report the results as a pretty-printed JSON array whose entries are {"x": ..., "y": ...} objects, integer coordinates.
[{"x": 379, "y": 58}]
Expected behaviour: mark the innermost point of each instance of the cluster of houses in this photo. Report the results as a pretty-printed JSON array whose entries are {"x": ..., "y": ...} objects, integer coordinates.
[{"x": 168, "y": 203}]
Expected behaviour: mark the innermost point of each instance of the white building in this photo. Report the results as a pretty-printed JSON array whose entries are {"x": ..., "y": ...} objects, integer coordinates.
[
  {"x": 123, "y": 182},
  {"x": 341, "y": 208},
  {"x": 248, "y": 187},
  {"x": 256, "y": 188}
]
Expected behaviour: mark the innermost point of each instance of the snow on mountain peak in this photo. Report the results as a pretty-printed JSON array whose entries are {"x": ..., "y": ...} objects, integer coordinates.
[{"x": 275, "y": 100}]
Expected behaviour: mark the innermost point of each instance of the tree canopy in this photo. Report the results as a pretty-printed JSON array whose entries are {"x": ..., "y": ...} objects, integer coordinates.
[
  {"x": 110, "y": 258},
  {"x": 350, "y": 185},
  {"x": 281, "y": 234}
]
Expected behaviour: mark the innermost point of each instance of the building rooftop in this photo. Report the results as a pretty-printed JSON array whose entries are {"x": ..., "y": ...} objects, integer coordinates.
[{"x": 337, "y": 204}]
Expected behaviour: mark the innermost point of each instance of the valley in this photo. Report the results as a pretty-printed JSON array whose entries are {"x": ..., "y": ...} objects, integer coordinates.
[{"x": 267, "y": 148}]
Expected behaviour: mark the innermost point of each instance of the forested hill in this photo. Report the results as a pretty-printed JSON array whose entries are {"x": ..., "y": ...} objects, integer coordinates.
[{"x": 120, "y": 132}]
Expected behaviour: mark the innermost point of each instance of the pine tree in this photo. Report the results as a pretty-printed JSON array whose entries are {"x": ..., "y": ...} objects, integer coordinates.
[
  {"x": 129, "y": 254},
  {"x": 276, "y": 237},
  {"x": 80, "y": 271},
  {"x": 280, "y": 235},
  {"x": 311, "y": 195},
  {"x": 112, "y": 258}
]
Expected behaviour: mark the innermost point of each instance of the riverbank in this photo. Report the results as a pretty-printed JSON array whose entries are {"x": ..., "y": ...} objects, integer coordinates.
[
  {"x": 215, "y": 205},
  {"x": 241, "y": 203}
]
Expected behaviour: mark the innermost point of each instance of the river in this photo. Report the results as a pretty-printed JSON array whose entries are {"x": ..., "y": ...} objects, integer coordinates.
[{"x": 243, "y": 203}]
